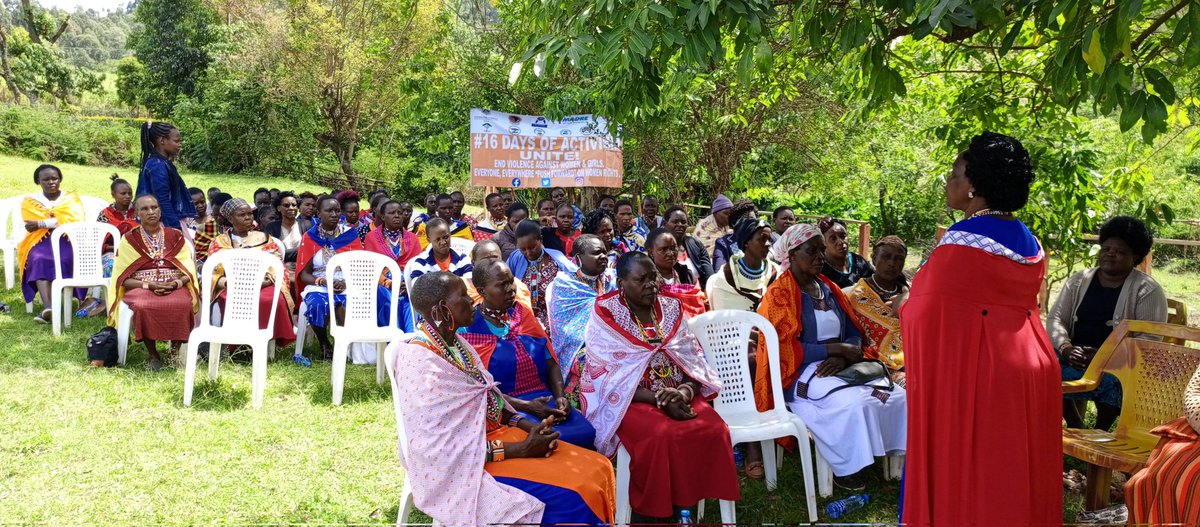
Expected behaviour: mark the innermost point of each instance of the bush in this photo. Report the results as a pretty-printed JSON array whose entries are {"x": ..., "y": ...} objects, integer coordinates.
[{"x": 48, "y": 135}]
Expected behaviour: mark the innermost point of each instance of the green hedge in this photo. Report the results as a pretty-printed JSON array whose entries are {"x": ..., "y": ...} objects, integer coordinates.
[{"x": 53, "y": 136}]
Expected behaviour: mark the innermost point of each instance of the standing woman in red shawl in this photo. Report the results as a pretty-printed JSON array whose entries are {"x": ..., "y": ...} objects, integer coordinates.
[
  {"x": 161, "y": 144},
  {"x": 156, "y": 277},
  {"x": 985, "y": 412}
]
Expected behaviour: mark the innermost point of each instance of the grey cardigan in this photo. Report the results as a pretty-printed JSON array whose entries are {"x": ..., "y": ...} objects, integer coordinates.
[{"x": 1141, "y": 299}]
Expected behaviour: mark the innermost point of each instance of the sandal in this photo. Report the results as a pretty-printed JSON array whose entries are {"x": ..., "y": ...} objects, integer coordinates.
[
  {"x": 44, "y": 317},
  {"x": 755, "y": 470}
]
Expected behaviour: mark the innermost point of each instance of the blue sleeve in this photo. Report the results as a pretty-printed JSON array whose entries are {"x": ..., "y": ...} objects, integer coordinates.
[
  {"x": 814, "y": 353},
  {"x": 160, "y": 186}
]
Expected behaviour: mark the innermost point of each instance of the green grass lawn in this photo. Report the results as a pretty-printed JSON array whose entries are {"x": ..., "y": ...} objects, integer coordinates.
[{"x": 16, "y": 178}]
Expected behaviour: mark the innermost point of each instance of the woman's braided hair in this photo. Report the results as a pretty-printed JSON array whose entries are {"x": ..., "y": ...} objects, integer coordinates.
[
  {"x": 1000, "y": 169},
  {"x": 153, "y": 131}
]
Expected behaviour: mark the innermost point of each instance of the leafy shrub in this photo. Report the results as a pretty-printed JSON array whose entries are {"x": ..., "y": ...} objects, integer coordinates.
[{"x": 48, "y": 135}]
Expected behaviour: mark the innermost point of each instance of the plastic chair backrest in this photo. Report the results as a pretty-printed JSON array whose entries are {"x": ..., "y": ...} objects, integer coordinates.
[
  {"x": 245, "y": 270},
  {"x": 389, "y": 363},
  {"x": 92, "y": 206},
  {"x": 361, "y": 271},
  {"x": 1153, "y": 374},
  {"x": 461, "y": 246},
  {"x": 1177, "y": 312},
  {"x": 408, "y": 284},
  {"x": 87, "y": 247},
  {"x": 12, "y": 227},
  {"x": 724, "y": 335}
]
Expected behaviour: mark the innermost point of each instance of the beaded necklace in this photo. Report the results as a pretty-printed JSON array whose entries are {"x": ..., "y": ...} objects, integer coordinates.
[
  {"x": 499, "y": 331},
  {"x": 396, "y": 240},
  {"x": 591, "y": 281},
  {"x": 751, "y": 274},
  {"x": 658, "y": 333},
  {"x": 535, "y": 277},
  {"x": 463, "y": 360},
  {"x": 154, "y": 245},
  {"x": 499, "y": 314},
  {"x": 327, "y": 251},
  {"x": 989, "y": 212}
]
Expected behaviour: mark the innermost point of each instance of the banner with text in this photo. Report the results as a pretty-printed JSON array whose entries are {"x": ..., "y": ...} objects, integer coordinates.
[{"x": 511, "y": 150}]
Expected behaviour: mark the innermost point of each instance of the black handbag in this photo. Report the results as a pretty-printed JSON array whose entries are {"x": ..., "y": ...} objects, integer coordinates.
[
  {"x": 863, "y": 373},
  {"x": 103, "y": 346}
]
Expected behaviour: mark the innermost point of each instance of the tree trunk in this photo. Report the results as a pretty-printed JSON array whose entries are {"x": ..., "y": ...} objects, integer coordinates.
[{"x": 5, "y": 70}]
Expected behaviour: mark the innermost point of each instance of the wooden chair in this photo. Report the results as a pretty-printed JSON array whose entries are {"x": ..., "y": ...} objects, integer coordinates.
[
  {"x": 1153, "y": 375},
  {"x": 1177, "y": 313}
]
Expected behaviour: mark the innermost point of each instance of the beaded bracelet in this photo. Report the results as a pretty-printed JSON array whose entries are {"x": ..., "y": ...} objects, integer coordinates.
[
  {"x": 497, "y": 450},
  {"x": 516, "y": 418}
]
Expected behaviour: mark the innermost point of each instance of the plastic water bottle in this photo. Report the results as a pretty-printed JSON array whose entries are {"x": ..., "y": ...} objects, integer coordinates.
[
  {"x": 685, "y": 517},
  {"x": 846, "y": 505},
  {"x": 738, "y": 457}
]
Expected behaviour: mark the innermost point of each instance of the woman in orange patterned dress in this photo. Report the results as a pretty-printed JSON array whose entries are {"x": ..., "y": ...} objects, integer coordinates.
[{"x": 876, "y": 300}]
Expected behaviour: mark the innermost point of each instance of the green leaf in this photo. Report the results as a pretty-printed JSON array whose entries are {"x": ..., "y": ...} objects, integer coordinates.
[
  {"x": 1131, "y": 112},
  {"x": 1156, "y": 111},
  {"x": 662, "y": 10},
  {"x": 1059, "y": 9},
  {"x": 1128, "y": 10},
  {"x": 1011, "y": 37},
  {"x": 763, "y": 56},
  {"x": 1162, "y": 86},
  {"x": 1092, "y": 54}
]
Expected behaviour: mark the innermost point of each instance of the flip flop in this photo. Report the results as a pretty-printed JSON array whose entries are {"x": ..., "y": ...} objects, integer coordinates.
[
  {"x": 755, "y": 470},
  {"x": 302, "y": 361}
]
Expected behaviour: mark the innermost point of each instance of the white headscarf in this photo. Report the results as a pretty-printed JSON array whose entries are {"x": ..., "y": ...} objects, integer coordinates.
[{"x": 794, "y": 237}]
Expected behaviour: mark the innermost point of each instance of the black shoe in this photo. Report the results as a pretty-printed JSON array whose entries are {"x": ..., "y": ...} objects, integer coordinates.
[
  {"x": 852, "y": 483},
  {"x": 202, "y": 351}
]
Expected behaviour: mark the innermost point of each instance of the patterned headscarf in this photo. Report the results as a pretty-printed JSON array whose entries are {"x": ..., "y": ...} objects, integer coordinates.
[
  {"x": 794, "y": 237},
  {"x": 745, "y": 229},
  {"x": 890, "y": 240},
  {"x": 231, "y": 206}
]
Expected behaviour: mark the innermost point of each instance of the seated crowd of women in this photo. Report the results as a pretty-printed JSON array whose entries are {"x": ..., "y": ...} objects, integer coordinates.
[{"x": 558, "y": 342}]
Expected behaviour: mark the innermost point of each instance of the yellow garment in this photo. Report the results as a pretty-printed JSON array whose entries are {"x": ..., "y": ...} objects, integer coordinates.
[
  {"x": 68, "y": 210},
  {"x": 128, "y": 255},
  {"x": 464, "y": 232}
]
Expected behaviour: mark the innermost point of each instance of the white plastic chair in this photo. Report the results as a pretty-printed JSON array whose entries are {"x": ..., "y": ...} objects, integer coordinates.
[
  {"x": 361, "y": 271},
  {"x": 408, "y": 284},
  {"x": 87, "y": 245},
  {"x": 11, "y": 232},
  {"x": 624, "y": 512},
  {"x": 389, "y": 362},
  {"x": 723, "y": 335},
  {"x": 301, "y": 326},
  {"x": 245, "y": 270},
  {"x": 92, "y": 207}
]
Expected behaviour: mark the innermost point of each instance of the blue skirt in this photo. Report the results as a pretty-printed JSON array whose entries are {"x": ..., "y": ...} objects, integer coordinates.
[
  {"x": 1108, "y": 392},
  {"x": 317, "y": 304},
  {"x": 385, "y": 311}
]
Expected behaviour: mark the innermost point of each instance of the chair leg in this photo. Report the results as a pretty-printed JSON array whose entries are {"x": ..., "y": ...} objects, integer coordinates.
[
  {"x": 824, "y": 475},
  {"x": 624, "y": 512},
  {"x": 896, "y": 465},
  {"x": 189, "y": 370},
  {"x": 406, "y": 504},
  {"x": 56, "y": 307},
  {"x": 699, "y": 512},
  {"x": 214, "y": 359},
  {"x": 271, "y": 349},
  {"x": 340, "y": 347},
  {"x": 806, "y": 466},
  {"x": 380, "y": 372},
  {"x": 124, "y": 324},
  {"x": 728, "y": 512},
  {"x": 67, "y": 312},
  {"x": 770, "y": 463},
  {"x": 9, "y": 271},
  {"x": 1098, "y": 480},
  {"x": 259, "y": 373}
]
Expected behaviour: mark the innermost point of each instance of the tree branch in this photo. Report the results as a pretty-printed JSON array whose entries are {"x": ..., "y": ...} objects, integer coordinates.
[{"x": 1162, "y": 19}]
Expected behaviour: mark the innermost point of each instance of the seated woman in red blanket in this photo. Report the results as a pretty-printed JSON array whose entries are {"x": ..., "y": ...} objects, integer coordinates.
[
  {"x": 241, "y": 235},
  {"x": 155, "y": 275},
  {"x": 516, "y": 350},
  {"x": 646, "y": 386}
]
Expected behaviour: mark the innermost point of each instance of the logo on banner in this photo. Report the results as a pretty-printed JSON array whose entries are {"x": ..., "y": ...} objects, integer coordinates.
[
  {"x": 578, "y": 180},
  {"x": 514, "y": 130},
  {"x": 514, "y": 119},
  {"x": 539, "y": 131},
  {"x": 487, "y": 127},
  {"x": 545, "y": 182},
  {"x": 540, "y": 122},
  {"x": 565, "y": 132},
  {"x": 516, "y": 182}
]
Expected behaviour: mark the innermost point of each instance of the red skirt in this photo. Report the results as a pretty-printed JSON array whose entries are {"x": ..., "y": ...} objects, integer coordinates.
[
  {"x": 167, "y": 317},
  {"x": 677, "y": 463},
  {"x": 285, "y": 332}
]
